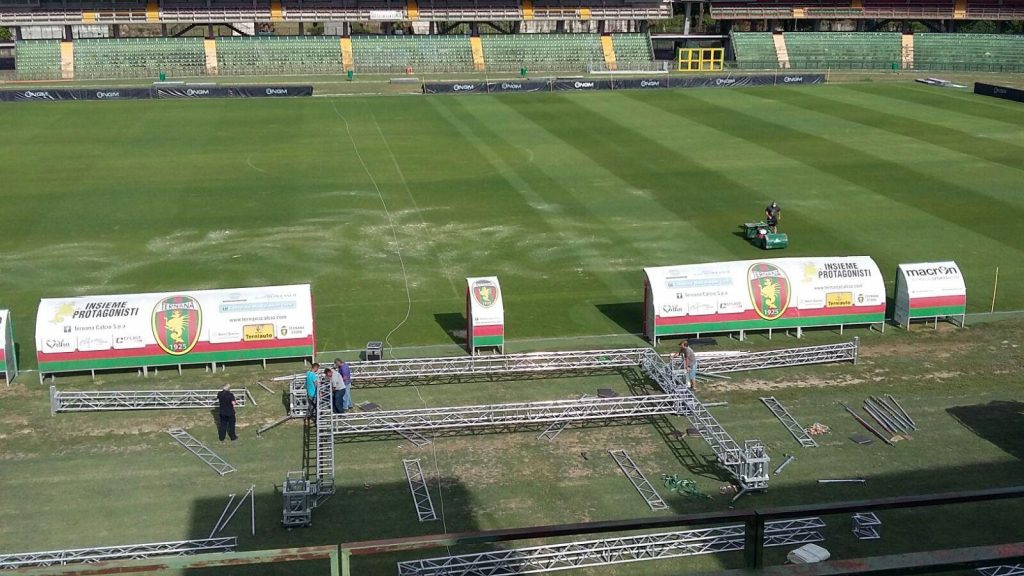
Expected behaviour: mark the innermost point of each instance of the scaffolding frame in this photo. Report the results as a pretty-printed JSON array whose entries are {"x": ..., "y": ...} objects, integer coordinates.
[
  {"x": 106, "y": 400},
  {"x": 779, "y": 358},
  {"x": 638, "y": 480},
  {"x": 748, "y": 463},
  {"x": 420, "y": 493},
  {"x": 504, "y": 415},
  {"x": 789, "y": 422},
  {"x": 1004, "y": 570},
  {"x": 127, "y": 551},
  {"x": 209, "y": 457},
  {"x": 618, "y": 550}
]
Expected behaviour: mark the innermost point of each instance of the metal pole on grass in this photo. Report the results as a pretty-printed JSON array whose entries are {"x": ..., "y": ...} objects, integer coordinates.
[{"x": 995, "y": 286}]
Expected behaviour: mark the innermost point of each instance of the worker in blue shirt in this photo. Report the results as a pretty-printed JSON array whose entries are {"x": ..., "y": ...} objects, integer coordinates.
[{"x": 312, "y": 377}]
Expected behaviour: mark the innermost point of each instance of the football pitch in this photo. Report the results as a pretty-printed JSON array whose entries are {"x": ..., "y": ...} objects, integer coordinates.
[{"x": 386, "y": 204}]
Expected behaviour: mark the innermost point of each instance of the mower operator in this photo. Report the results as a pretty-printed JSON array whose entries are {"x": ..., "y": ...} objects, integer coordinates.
[{"x": 772, "y": 214}]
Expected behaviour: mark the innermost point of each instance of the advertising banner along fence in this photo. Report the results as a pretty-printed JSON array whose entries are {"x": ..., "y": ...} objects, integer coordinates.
[
  {"x": 169, "y": 91},
  {"x": 89, "y": 333},
  {"x": 762, "y": 295},
  {"x": 485, "y": 315},
  {"x": 930, "y": 290},
  {"x": 588, "y": 84},
  {"x": 8, "y": 357}
]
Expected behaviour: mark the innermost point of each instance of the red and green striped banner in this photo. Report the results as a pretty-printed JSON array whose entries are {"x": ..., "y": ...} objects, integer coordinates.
[{"x": 931, "y": 306}]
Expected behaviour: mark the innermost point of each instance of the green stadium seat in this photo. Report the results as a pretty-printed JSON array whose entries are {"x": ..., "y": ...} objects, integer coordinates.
[
  {"x": 843, "y": 50},
  {"x": 969, "y": 52},
  {"x": 37, "y": 59},
  {"x": 755, "y": 50},
  {"x": 256, "y": 55},
  {"x": 551, "y": 52},
  {"x": 139, "y": 57},
  {"x": 633, "y": 51},
  {"x": 444, "y": 53}
]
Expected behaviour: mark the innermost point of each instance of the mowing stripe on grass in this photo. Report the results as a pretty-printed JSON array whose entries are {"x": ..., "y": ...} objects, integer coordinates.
[
  {"x": 956, "y": 205},
  {"x": 994, "y": 151},
  {"x": 959, "y": 102}
]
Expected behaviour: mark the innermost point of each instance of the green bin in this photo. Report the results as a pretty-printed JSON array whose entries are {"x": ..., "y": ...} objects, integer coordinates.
[{"x": 163, "y": 76}]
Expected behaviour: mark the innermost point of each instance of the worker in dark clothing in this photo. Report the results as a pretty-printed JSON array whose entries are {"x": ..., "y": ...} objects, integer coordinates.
[
  {"x": 771, "y": 215},
  {"x": 226, "y": 409}
]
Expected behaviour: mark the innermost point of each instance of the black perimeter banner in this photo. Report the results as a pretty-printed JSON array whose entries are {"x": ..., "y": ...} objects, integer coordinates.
[
  {"x": 587, "y": 84},
  {"x": 999, "y": 92},
  {"x": 54, "y": 94}
]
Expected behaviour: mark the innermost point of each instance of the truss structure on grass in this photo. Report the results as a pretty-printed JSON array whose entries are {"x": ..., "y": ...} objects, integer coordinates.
[
  {"x": 638, "y": 480},
  {"x": 747, "y": 463},
  {"x": 612, "y": 550},
  {"x": 129, "y": 551},
  {"x": 789, "y": 422},
  {"x": 208, "y": 456},
  {"x": 420, "y": 492},
  {"x": 1004, "y": 570},
  {"x": 505, "y": 415},
  {"x": 102, "y": 400},
  {"x": 780, "y": 358}
]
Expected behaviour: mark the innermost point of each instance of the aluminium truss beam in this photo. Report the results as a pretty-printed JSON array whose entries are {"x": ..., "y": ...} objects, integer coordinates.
[
  {"x": 103, "y": 400},
  {"x": 325, "y": 417},
  {"x": 789, "y": 422},
  {"x": 1004, "y": 570},
  {"x": 128, "y": 551},
  {"x": 748, "y": 464},
  {"x": 638, "y": 480},
  {"x": 522, "y": 413},
  {"x": 420, "y": 492},
  {"x": 779, "y": 358},
  {"x": 196, "y": 447},
  {"x": 610, "y": 551}
]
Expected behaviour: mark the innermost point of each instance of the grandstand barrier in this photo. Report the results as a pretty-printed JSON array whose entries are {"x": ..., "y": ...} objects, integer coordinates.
[
  {"x": 619, "y": 83},
  {"x": 55, "y": 94},
  {"x": 999, "y": 91}
]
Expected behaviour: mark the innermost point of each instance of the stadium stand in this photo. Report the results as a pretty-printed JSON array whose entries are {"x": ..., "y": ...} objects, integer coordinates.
[
  {"x": 633, "y": 51},
  {"x": 448, "y": 53},
  {"x": 853, "y": 50},
  {"x": 468, "y": 10},
  {"x": 995, "y": 9},
  {"x": 190, "y": 12},
  {"x": 755, "y": 50},
  {"x": 250, "y": 55},
  {"x": 37, "y": 59},
  {"x": 983, "y": 52},
  {"x": 555, "y": 52},
  {"x": 139, "y": 57},
  {"x": 938, "y": 9},
  {"x": 873, "y": 9}
]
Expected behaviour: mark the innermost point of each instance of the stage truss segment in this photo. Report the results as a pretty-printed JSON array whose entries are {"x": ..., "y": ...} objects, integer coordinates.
[
  {"x": 129, "y": 551},
  {"x": 748, "y": 464},
  {"x": 789, "y": 422},
  {"x": 613, "y": 550},
  {"x": 103, "y": 400},
  {"x": 638, "y": 480},
  {"x": 780, "y": 358},
  {"x": 523, "y": 413},
  {"x": 196, "y": 447},
  {"x": 420, "y": 492},
  {"x": 1004, "y": 570}
]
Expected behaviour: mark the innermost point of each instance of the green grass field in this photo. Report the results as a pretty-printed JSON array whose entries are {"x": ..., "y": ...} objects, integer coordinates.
[{"x": 385, "y": 205}]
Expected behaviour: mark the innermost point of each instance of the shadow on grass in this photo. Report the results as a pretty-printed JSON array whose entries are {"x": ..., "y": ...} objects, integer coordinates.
[
  {"x": 1000, "y": 422},
  {"x": 357, "y": 511},
  {"x": 454, "y": 325},
  {"x": 628, "y": 315}
]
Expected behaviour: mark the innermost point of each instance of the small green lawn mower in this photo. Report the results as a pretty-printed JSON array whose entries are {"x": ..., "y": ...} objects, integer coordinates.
[{"x": 761, "y": 236}]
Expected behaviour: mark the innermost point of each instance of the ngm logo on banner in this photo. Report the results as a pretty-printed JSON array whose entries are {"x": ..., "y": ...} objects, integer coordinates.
[
  {"x": 189, "y": 327},
  {"x": 485, "y": 313},
  {"x": 757, "y": 294}
]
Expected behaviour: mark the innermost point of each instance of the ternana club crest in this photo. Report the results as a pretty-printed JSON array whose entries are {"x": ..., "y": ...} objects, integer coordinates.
[
  {"x": 485, "y": 292},
  {"x": 177, "y": 321},
  {"x": 769, "y": 290}
]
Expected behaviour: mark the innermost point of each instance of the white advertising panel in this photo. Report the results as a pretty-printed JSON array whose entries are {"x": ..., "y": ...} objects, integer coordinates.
[{"x": 191, "y": 326}]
